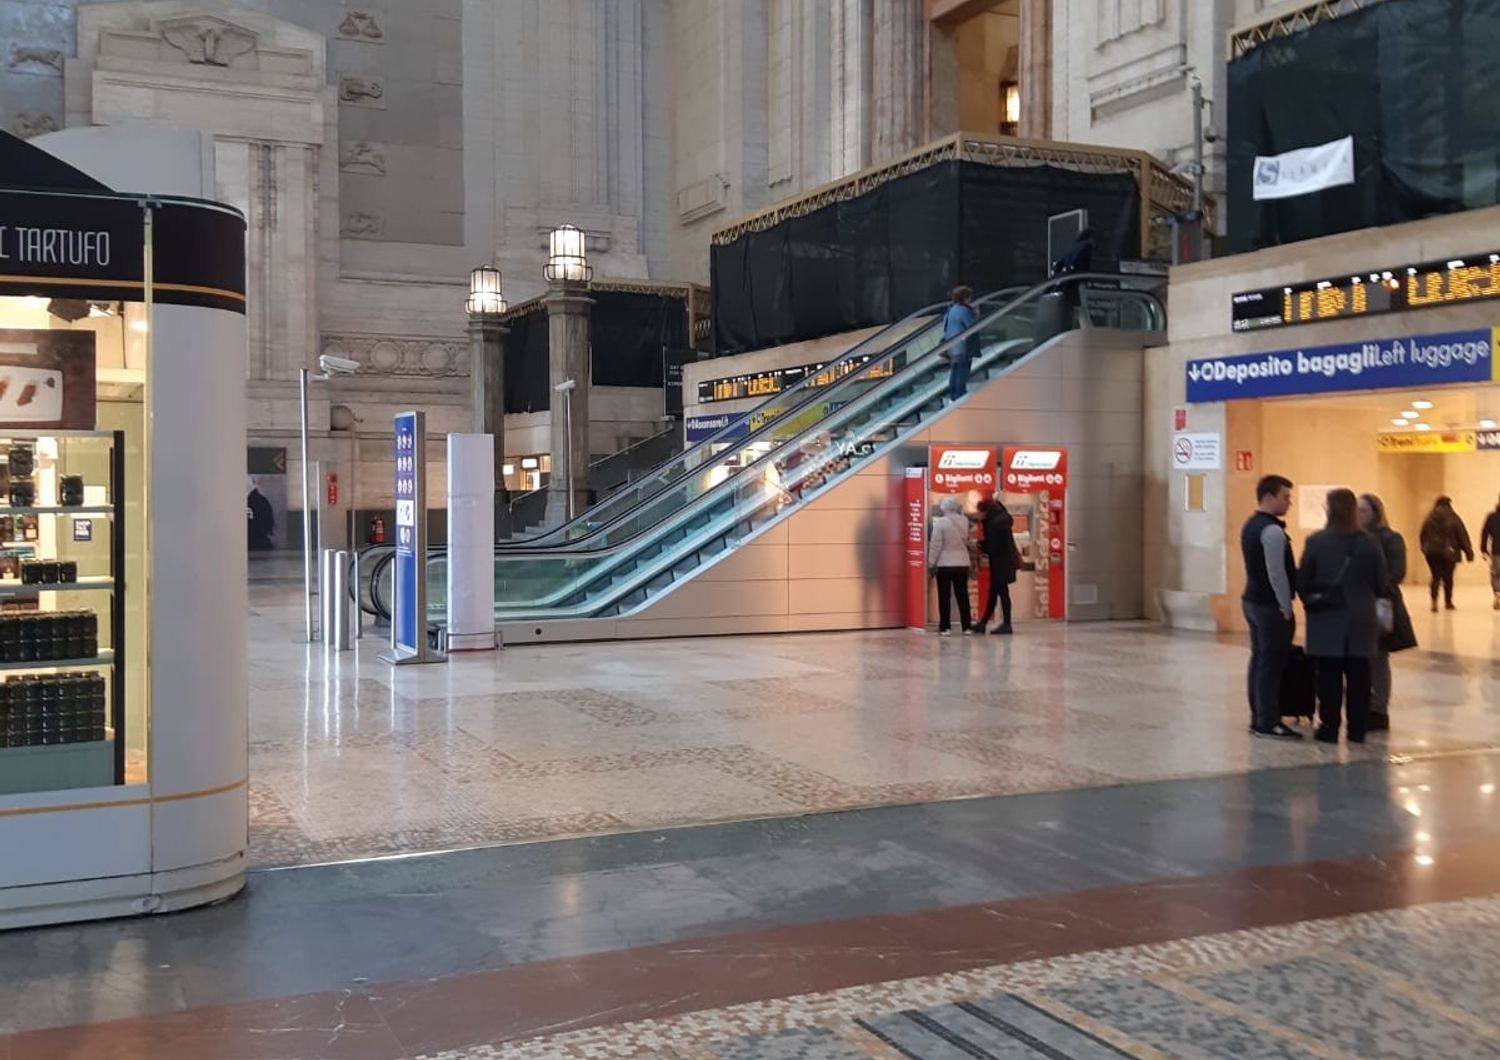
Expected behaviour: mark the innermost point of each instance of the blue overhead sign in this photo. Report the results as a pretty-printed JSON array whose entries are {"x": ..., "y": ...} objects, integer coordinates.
[
  {"x": 701, "y": 428},
  {"x": 1385, "y": 364}
]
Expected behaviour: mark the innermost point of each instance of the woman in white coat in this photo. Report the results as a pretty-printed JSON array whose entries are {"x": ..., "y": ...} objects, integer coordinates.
[{"x": 949, "y": 557}]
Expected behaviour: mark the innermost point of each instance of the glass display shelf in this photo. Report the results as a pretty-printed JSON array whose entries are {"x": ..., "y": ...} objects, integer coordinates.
[
  {"x": 92, "y": 511},
  {"x": 101, "y": 661},
  {"x": 14, "y": 588}
]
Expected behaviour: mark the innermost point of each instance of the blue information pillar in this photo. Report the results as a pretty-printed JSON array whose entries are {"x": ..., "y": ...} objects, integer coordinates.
[{"x": 409, "y": 606}]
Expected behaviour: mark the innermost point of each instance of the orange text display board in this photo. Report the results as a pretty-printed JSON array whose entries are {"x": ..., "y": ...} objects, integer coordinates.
[
  {"x": 914, "y": 546},
  {"x": 1043, "y": 473}
]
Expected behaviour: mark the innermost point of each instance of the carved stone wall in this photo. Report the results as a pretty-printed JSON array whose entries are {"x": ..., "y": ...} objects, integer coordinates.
[
  {"x": 431, "y": 357},
  {"x": 35, "y": 41},
  {"x": 1122, "y": 71}
]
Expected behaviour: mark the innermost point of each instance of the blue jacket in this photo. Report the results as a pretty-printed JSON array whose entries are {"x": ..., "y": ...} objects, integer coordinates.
[{"x": 961, "y": 318}]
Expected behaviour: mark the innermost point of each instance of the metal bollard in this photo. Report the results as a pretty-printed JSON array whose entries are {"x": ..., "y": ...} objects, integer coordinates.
[
  {"x": 327, "y": 599},
  {"x": 339, "y": 632}
]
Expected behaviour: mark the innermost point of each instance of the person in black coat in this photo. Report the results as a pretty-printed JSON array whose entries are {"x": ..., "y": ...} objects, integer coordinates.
[
  {"x": 1489, "y": 548},
  {"x": 1341, "y": 575},
  {"x": 1000, "y": 548},
  {"x": 1445, "y": 541},
  {"x": 1401, "y": 635}
]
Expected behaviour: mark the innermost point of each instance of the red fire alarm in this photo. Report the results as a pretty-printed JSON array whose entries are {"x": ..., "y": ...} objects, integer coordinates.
[
  {"x": 1244, "y": 460},
  {"x": 333, "y": 489}
]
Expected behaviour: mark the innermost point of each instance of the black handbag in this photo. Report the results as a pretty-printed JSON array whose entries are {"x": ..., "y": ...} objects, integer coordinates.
[{"x": 1331, "y": 597}]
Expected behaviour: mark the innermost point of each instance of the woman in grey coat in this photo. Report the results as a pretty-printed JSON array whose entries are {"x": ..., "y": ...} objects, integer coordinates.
[
  {"x": 1341, "y": 575},
  {"x": 1401, "y": 635},
  {"x": 950, "y": 554}
]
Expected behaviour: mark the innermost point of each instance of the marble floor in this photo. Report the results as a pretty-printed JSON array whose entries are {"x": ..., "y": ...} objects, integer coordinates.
[
  {"x": 1332, "y": 911},
  {"x": 1417, "y": 982},
  {"x": 350, "y": 758}
]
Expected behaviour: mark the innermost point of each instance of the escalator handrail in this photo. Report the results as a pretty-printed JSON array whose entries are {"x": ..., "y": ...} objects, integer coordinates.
[
  {"x": 774, "y": 454},
  {"x": 808, "y": 394}
]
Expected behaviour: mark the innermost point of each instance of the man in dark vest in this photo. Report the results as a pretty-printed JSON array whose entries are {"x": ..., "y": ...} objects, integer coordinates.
[{"x": 1270, "y": 573}]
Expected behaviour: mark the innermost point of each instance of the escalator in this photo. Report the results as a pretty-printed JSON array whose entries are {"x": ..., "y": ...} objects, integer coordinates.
[
  {"x": 608, "y": 522},
  {"x": 666, "y": 538},
  {"x": 618, "y": 517}
]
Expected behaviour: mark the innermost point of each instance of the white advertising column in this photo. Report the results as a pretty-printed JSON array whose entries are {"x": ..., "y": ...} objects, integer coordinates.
[{"x": 471, "y": 542}]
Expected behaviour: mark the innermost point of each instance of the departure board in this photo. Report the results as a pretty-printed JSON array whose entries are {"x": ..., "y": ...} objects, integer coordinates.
[
  {"x": 1452, "y": 282},
  {"x": 765, "y": 384}
]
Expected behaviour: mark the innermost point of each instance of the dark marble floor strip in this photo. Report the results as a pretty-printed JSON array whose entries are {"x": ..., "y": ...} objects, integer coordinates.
[{"x": 407, "y": 1018}]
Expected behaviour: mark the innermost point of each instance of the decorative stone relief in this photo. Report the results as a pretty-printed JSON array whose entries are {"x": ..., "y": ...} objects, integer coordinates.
[
  {"x": 28, "y": 60},
  {"x": 208, "y": 41},
  {"x": 362, "y": 91},
  {"x": 362, "y": 157},
  {"x": 436, "y": 358},
  {"x": 28, "y": 124},
  {"x": 361, "y": 25},
  {"x": 702, "y": 198},
  {"x": 363, "y": 224}
]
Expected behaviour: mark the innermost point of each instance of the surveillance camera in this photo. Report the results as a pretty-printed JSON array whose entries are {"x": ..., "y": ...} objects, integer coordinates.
[
  {"x": 565, "y": 386},
  {"x": 331, "y": 365}
]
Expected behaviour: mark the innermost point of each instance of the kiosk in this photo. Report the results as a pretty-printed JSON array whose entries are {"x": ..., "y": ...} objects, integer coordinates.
[{"x": 122, "y": 573}]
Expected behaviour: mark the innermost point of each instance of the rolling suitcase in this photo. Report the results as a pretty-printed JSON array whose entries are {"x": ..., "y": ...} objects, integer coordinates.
[{"x": 1299, "y": 698}]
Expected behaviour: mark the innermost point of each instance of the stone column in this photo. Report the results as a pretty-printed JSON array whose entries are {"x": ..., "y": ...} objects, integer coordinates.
[
  {"x": 487, "y": 379},
  {"x": 1036, "y": 69},
  {"x": 568, "y": 350},
  {"x": 898, "y": 75}
]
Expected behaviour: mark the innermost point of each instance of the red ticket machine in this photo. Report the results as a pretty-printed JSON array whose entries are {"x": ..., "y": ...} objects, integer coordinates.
[{"x": 1035, "y": 490}]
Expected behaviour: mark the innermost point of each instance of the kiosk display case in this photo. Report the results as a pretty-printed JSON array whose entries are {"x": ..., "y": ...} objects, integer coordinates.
[
  {"x": 62, "y": 615},
  {"x": 123, "y": 670}
]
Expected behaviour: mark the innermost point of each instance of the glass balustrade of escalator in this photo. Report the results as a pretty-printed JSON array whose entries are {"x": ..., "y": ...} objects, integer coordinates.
[
  {"x": 877, "y": 411},
  {"x": 615, "y": 518}
]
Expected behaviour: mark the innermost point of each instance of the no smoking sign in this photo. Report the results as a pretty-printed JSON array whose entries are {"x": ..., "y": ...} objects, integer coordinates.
[{"x": 1197, "y": 452}]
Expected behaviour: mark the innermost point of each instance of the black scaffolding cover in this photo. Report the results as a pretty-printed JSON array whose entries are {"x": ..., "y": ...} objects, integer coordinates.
[
  {"x": 628, "y": 332},
  {"x": 1414, "y": 82},
  {"x": 906, "y": 244}
]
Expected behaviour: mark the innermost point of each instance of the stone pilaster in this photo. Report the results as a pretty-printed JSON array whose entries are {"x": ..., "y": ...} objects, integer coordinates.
[
  {"x": 568, "y": 307},
  {"x": 897, "y": 78},
  {"x": 1036, "y": 69},
  {"x": 487, "y": 381}
]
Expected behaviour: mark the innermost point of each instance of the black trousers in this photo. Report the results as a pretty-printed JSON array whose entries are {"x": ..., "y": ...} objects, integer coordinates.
[
  {"x": 999, "y": 591},
  {"x": 1336, "y": 677},
  {"x": 1271, "y": 635},
  {"x": 954, "y": 580},
  {"x": 1442, "y": 576}
]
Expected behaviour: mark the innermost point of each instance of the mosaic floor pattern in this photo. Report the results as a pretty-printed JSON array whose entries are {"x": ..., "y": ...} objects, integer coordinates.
[
  {"x": 349, "y": 759},
  {"x": 1411, "y": 984}
]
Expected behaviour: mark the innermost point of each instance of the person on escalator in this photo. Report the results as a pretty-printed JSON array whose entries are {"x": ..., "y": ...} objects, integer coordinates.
[
  {"x": 1078, "y": 258},
  {"x": 959, "y": 319}
]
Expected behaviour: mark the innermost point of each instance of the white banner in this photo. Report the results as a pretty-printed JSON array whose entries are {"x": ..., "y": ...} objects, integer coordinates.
[{"x": 1305, "y": 170}]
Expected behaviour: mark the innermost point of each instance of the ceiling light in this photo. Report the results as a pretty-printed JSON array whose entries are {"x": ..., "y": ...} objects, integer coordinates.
[
  {"x": 1400, "y": 421},
  {"x": 1424, "y": 859},
  {"x": 1487, "y": 789},
  {"x": 1486, "y": 425},
  {"x": 1421, "y": 404},
  {"x": 1410, "y": 414},
  {"x": 1424, "y": 426}
]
